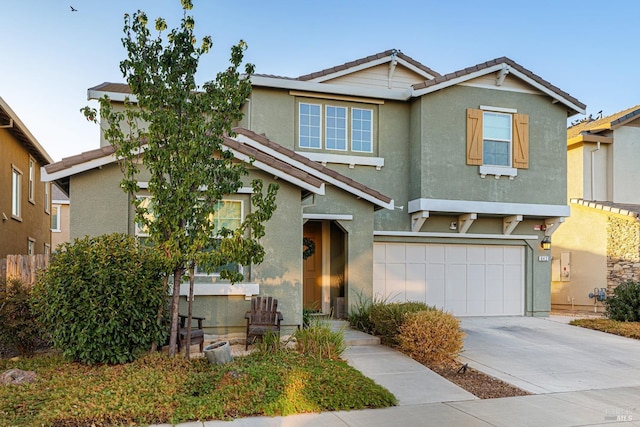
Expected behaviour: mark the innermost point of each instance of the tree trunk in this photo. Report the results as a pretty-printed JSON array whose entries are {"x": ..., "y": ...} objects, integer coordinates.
[
  {"x": 177, "y": 274},
  {"x": 190, "y": 311}
]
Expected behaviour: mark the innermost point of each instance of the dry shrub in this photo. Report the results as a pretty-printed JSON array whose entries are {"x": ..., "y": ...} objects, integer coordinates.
[{"x": 431, "y": 337}]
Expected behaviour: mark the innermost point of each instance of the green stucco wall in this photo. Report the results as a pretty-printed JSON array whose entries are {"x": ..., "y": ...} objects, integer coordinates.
[
  {"x": 443, "y": 172},
  {"x": 98, "y": 204}
]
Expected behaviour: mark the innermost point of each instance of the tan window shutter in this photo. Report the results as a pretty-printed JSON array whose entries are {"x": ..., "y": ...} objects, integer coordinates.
[
  {"x": 521, "y": 141},
  {"x": 474, "y": 136}
]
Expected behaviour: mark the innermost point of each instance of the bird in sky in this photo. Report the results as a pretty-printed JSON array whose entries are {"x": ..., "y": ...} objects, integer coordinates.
[{"x": 73, "y": 9}]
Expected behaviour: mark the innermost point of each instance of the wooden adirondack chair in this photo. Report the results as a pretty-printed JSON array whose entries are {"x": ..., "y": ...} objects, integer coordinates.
[{"x": 263, "y": 317}]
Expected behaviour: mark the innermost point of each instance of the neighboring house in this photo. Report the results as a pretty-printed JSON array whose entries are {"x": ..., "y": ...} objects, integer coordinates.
[
  {"x": 25, "y": 201},
  {"x": 405, "y": 185},
  {"x": 599, "y": 245},
  {"x": 60, "y": 221}
]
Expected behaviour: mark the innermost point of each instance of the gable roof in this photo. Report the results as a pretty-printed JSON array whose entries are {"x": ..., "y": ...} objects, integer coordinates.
[
  {"x": 368, "y": 62},
  {"x": 506, "y": 66},
  {"x": 433, "y": 81},
  {"x": 604, "y": 123},
  {"x": 10, "y": 120},
  {"x": 266, "y": 155}
]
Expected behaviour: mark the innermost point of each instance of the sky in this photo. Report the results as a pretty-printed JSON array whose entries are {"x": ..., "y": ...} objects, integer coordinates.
[{"x": 51, "y": 55}]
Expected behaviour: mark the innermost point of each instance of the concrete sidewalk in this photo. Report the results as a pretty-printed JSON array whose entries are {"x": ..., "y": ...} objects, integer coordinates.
[{"x": 426, "y": 399}]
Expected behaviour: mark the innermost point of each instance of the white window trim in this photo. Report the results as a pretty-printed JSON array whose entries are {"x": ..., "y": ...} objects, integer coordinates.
[
  {"x": 47, "y": 197},
  {"x": 31, "y": 246},
  {"x": 58, "y": 209},
  {"x": 352, "y": 161},
  {"x": 370, "y": 130},
  {"x": 497, "y": 171},
  {"x": 346, "y": 128},
  {"x": 349, "y": 129},
  {"x": 32, "y": 181},
  {"x": 499, "y": 109},
  {"x": 246, "y": 289},
  {"x": 16, "y": 193},
  {"x": 509, "y": 141},
  {"x": 321, "y": 126}
]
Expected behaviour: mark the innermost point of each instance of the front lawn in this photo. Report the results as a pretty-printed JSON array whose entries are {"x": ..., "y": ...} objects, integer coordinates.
[
  {"x": 625, "y": 329},
  {"x": 158, "y": 389}
]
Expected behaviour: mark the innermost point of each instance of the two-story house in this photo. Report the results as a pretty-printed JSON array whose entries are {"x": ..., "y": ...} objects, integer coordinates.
[
  {"x": 25, "y": 201},
  {"x": 396, "y": 182},
  {"x": 598, "y": 247}
]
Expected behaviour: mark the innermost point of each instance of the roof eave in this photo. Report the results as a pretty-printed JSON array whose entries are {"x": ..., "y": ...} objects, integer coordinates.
[
  {"x": 20, "y": 127},
  {"x": 280, "y": 83}
]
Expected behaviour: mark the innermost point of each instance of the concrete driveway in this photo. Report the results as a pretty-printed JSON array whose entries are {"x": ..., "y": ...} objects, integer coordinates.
[{"x": 546, "y": 355}]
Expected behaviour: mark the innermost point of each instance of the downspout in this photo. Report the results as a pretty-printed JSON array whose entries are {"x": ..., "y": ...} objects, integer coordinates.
[{"x": 593, "y": 171}]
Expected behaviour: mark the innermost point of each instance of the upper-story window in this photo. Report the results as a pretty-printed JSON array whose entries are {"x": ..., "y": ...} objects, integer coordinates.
[
  {"x": 497, "y": 140},
  {"x": 335, "y": 128},
  {"x": 32, "y": 181},
  {"x": 55, "y": 218},
  {"x": 16, "y": 190},
  {"x": 47, "y": 196}
]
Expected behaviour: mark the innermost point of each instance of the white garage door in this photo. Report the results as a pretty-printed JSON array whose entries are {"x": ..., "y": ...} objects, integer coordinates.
[{"x": 467, "y": 280}]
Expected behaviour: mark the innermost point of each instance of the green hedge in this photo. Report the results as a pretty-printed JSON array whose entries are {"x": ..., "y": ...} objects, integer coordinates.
[{"x": 100, "y": 299}]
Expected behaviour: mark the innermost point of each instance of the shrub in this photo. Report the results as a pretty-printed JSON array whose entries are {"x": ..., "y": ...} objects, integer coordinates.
[
  {"x": 100, "y": 299},
  {"x": 360, "y": 314},
  {"x": 624, "y": 304},
  {"x": 431, "y": 337},
  {"x": 19, "y": 326},
  {"x": 386, "y": 318},
  {"x": 318, "y": 340}
]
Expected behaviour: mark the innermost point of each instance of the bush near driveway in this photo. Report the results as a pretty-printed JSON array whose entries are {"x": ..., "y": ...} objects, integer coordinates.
[
  {"x": 624, "y": 304},
  {"x": 431, "y": 337},
  {"x": 20, "y": 330}
]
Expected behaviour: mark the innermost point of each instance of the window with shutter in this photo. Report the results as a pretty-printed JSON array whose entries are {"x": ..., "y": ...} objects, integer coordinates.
[{"x": 497, "y": 141}]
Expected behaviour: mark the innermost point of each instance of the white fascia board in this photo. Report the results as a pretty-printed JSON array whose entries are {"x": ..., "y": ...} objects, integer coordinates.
[
  {"x": 415, "y": 69},
  {"x": 351, "y": 70},
  {"x": 362, "y": 91},
  {"x": 498, "y": 208},
  {"x": 82, "y": 167},
  {"x": 60, "y": 202},
  {"x": 371, "y": 64},
  {"x": 344, "y": 159},
  {"x": 457, "y": 80},
  {"x": 276, "y": 172},
  {"x": 547, "y": 91},
  {"x": 332, "y": 217},
  {"x": 114, "y": 96},
  {"x": 246, "y": 140},
  {"x": 456, "y": 235}
]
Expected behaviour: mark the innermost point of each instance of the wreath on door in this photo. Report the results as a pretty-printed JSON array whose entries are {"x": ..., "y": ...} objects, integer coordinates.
[{"x": 308, "y": 247}]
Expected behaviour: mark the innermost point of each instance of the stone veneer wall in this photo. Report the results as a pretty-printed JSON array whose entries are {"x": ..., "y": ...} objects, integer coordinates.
[{"x": 623, "y": 250}]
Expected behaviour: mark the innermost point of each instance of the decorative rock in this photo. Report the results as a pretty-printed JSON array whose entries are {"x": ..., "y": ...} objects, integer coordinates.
[{"x": 17, "y": 377}]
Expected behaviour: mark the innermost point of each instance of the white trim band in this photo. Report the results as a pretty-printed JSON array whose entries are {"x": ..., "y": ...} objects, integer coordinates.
[
  {"x": 456, "y": 235},
  {"x": 497, "y": 208}
]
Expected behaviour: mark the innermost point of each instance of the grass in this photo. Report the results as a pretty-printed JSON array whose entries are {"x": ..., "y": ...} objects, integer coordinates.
[
  {"x": 625, "y": 329},
  {"x": 159, "y": 389}
]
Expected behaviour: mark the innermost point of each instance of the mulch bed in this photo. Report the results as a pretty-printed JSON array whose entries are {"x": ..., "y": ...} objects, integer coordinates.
[{"x": 478, "y": 383}]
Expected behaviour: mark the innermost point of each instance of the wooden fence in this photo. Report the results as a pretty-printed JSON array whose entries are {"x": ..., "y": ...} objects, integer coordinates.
[{"x": 23, "y": 267}]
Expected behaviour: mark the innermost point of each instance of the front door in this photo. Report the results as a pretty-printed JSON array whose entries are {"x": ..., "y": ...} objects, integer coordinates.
[{"x": 312, "y": 267}]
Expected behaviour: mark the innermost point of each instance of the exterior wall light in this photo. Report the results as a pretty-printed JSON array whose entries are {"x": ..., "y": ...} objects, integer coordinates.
[{"x": 546, "y": 243}]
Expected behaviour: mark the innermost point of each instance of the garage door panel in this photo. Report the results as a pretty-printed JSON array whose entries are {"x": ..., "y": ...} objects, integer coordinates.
[
  {"x": 495, "y": 254},
  {"x": 379, "y": 253},
  {"x": 435, "y": 285},
  {"x": 464, "y": 279},
  {"x": 396, "y": 253},
  {"x": 396, "y": 282},
  {"x": 475, "y": 290},
  {"x": 476, "y": 255},
  {"x": 416, "y": 282}
]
